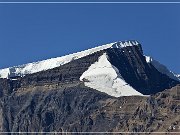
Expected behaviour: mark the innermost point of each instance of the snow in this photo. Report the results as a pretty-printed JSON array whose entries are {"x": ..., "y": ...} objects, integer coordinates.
[
  {"x": 34, "y": 67},
  {"x": 178, "y": 76},
  {"x": 4, "y": 73},
  {"x": 148, "y": 59},
  {"x": 104, "y": 77},
  {"x": 161, "y": 68},
  {"x": 122, "y": 44}
]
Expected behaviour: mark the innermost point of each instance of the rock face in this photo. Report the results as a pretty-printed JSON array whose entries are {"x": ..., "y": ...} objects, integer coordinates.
[
  {"x": 75, "y": 108},
  {"x": 141, "y": 75},
  {"x": 56, "y": 99}
]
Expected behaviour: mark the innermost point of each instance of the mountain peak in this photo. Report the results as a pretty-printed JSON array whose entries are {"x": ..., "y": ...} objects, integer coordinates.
[{"x": 121, "y": 44}]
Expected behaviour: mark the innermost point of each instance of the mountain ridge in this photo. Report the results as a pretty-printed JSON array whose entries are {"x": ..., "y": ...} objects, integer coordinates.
[
  {"x": 34, "y": 67},
  {"x": 125, "y": 60},
  {"x": 127, "y": 71},
  {"x": 29, "y": 68},
  {"x": 162, "y": 68}
]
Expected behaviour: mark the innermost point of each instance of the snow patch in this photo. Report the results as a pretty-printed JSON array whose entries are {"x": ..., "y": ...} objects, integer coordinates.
[
  {"x": 178, "y": 76},
  {"x": 106, "y": 78},
  {"x": 161, "y": 68},
  {"x": 34, "y": 67},
  {"x": 4, "y": 73},
  {"x": 148, "y": 59}
]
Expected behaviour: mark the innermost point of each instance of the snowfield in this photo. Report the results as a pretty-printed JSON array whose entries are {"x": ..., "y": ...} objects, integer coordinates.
[{"x": 106, "y": 78}]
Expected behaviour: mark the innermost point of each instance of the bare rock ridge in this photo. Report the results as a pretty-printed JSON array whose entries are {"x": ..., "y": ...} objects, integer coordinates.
[{"x": 56, "y": 99}]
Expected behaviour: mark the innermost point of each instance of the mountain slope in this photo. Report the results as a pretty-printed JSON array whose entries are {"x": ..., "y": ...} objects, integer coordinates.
[
  {"x": 76, "y": 108},
  {"x": 102, "y": 91},
  {"x": 162, "y": 68}
]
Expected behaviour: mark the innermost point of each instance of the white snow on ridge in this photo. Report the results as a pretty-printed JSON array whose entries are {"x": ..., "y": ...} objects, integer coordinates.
[
  {"x": 178, "y": 76},
  {"x": 56, "y": 62},
  {"x": 4, "y": 73},
  {"x": 148, "y": 59},
  {"x": 161, "y": 68},
  {"x": 104, "y": 77}
]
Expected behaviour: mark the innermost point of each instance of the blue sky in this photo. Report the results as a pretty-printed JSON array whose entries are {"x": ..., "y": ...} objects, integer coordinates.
[{"x": 32, "y": 32}]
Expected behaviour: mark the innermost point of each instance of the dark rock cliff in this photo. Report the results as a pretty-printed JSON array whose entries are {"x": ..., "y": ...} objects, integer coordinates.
[{"x": 141, "y": 75}]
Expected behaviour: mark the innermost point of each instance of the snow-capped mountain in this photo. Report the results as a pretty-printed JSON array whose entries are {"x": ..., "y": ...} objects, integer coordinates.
[{"x": 117, "y": 69}]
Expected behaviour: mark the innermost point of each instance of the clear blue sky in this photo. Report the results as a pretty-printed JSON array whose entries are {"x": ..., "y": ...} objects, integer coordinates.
[{"x": 32, "y": 32}]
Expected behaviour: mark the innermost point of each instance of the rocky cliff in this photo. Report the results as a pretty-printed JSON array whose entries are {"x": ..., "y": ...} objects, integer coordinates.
[{"x": 76, "y": 108}]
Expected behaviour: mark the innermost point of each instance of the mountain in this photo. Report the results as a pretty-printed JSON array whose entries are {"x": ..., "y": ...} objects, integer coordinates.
[
  {"x": 110, "y": 88},
  {"x": 121, "y": 64}
]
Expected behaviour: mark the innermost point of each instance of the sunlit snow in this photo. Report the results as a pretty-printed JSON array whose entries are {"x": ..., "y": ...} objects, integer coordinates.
[{"x": 106, "y": 78}]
